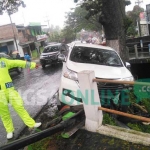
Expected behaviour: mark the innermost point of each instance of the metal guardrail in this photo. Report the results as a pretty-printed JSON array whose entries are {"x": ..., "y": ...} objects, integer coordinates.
[
  {"x": 122, "y": 82},
  {"x": 119, "y": 112},
  {"x": 140, "y": 55},
  {"x": 21, "y": 143},
  {"x": 124, "y": 114}
]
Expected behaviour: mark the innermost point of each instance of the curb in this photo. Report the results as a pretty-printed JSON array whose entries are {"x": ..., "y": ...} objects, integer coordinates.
[{"x": 125, "y": 134}]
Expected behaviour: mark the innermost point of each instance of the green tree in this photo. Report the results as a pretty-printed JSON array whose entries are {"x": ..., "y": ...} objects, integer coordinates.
[
  {"x": 54, "y": 36},
  {"x": 10, "y": 6},
  {"x": 67, "y": 34},
  {"x": 131, "y": 31},
  {"x": 77, "y": 20},
  {"x": 54, "y": 33},
  {"x": 134, "y": 14},
  {"x": 111, "y": 14}
]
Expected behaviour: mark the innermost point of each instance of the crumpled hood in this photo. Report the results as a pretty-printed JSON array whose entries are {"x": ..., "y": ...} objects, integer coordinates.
[{"x": 101, "y": 71}]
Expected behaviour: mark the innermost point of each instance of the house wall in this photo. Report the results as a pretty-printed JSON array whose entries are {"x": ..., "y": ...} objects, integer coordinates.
[
  {"x": 6, "y": 32},
  {"x": 11, "y": 46},
  {"x": 22, "y": 37}
]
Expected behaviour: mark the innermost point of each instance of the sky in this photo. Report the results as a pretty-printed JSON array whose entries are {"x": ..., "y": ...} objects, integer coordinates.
[
  {"x": 37, "y": 10},
  {"x": 130, "y": 7}
]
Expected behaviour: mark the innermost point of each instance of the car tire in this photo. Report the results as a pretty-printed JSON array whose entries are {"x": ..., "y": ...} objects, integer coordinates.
[
  {"x": 19, "y": 70},
  {"x": 43, "y": 66}
]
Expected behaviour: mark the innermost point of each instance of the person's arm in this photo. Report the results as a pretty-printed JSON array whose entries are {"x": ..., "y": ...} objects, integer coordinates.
[{"x": 20, "y": 63}]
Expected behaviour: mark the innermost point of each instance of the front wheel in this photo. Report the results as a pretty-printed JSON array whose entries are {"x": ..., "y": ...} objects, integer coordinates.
[{"x": 43, "y": 66}]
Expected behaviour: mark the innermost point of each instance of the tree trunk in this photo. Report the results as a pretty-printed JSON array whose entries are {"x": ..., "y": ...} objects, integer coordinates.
[{"x": 112, "y": 19}]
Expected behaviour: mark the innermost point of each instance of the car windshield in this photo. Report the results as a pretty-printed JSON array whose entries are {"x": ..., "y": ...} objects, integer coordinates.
[
  {"x": 95, "y": 56},
  {"x": 51, "y": 49}
]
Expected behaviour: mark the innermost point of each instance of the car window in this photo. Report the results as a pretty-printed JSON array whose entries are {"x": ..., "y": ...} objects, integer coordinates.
[
  {"x": 95, "y": 56},
  {"x": 51, "y": 49}
]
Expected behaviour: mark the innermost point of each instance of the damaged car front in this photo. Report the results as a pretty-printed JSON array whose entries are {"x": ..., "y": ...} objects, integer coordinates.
[{"x": 106, "y": 64}]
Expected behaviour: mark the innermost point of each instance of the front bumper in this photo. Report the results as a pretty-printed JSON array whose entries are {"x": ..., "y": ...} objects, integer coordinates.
[
  {"x": 49, "y": 61},
  {"x": 69, "y": 93}
]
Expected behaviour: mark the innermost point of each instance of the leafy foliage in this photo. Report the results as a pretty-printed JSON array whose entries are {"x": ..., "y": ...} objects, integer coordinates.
[
  {"x": 134, "y": 14},
  {"x": 111, "y": 14},
  {"x": 127, "y": 23},
  {"x": 139, "y": 127},
  {"x": 77, "y": 20},
  {"x": 68, "y": 34},
  {"x": 107, "y": 119},
  {"x": 146, "y": 103},
  {"x": 54, "y": 36},
  {"x": 131, "y": 30},
  {"x": 10, "y": 6},
  {"x": 93, "y": 7}
]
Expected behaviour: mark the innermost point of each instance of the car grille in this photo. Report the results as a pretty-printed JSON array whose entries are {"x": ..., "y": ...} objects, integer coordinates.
[
  {"x": 52, "y": 57},
  {"x": 109, "y": 88}
]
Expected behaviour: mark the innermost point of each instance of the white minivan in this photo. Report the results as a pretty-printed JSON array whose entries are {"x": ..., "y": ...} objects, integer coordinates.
[{"x": 103, "y": 60}]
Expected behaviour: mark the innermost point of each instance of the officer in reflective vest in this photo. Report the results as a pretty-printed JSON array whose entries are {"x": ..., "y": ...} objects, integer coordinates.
[{"x": 9, "y": 95}]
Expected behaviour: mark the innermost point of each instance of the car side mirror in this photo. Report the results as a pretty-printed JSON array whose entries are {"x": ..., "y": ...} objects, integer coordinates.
[
  {"x": 128, "y": 65},
  {"x": 62, "y": 57}
]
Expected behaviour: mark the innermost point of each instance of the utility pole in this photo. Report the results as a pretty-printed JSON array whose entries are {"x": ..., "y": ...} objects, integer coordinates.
[
  {"x": 139, "y": 2},
  {"x": 47, "y": 20},
  {"x": 13, "y": 31}
]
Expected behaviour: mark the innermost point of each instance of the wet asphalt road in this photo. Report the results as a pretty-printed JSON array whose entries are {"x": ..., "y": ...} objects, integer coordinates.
[{"x": 36, "y": 88}]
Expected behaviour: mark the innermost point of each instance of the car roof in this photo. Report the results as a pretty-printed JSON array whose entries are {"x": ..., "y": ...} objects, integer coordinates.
[
  {"x": 57, "y": 44},
  {"x": 94, "y": 46},
  {"x": 4, "y": 55}
]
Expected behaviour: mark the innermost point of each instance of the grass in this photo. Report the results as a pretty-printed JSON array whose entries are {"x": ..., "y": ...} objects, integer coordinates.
[
  {"x": 107, "y": 119},
  {"x": 35, "y": 54},
  {"x": 41, "y": 145},
  {"x": 139, "y": 127}
]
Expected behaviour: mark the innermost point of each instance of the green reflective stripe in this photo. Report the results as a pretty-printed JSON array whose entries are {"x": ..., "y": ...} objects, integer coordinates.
[{"x": 28, "y": 64}]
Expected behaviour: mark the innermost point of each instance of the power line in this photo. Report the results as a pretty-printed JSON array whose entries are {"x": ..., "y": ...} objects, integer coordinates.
[{"x": 139, "y": 2}]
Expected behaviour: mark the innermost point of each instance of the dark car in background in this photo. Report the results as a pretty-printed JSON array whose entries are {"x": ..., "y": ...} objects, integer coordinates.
[
  {"x": 51, "y": 52},
  {"x": 15, "y": 69}
]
